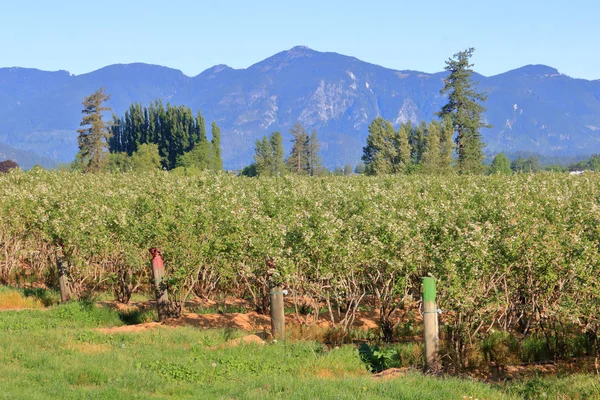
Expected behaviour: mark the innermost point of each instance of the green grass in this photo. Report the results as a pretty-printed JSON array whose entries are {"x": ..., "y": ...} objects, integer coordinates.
[
  {"x": 58, "y": 353},
  {"x": 11, "y": 297}
]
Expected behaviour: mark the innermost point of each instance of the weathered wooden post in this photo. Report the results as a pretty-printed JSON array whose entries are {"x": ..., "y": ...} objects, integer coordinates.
[
  {"x": 277, "y": 308},
  {"x": 430, "y": 321},
  {"x": 162, "y": 297},
  {"x": 63, "y": 277}
]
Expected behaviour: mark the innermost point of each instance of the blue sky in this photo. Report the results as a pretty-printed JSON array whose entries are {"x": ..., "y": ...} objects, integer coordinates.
[{"x": 82, "y": 36}]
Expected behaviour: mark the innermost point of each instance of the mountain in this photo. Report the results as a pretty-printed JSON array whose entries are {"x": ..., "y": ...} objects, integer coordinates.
[{"x": 533, "y": 108}]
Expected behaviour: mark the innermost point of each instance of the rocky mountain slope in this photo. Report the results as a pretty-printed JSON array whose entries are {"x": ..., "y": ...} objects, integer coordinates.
[{"x": 533, "y": 108}]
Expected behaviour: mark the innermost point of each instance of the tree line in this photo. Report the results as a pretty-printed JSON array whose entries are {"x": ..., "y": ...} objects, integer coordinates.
[
  {"x": 304, "y": 158},
  {"x": 430, "y": 147},
  {"x": 145, "y": 138},
  {"x": 172, "y": 137}
]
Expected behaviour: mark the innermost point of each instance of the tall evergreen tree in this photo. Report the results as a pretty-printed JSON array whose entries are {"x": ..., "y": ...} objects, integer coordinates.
[
  {"x": 216, "y": 161},
  {"x": 298, "y": 161},
  {"x": 95, "y": 133},
  {"x": 465, "y": 110}
]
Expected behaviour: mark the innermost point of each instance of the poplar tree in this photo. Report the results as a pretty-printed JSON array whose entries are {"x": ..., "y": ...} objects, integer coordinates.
[
  {"x": 447, "y": 146},
  {"x": 94, "y": 134},
  {"x": 276, "y": 141},
  {"x": 314, "y": 160},
  {"x": 417, "y": 141},
  {"x": 431, "y": 155},
  {"x": 268, "y": 157},
  {"x": 380, "y": 153},
  {"x": 263, "y": 157},
  {"x": 465, "y": 110},
  {"x": 404, "y": 150},
  {"x": 216, "y": 161}
]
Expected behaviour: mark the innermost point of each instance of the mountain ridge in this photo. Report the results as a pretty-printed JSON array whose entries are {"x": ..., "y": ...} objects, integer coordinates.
[{"x": 532, "y": 108}]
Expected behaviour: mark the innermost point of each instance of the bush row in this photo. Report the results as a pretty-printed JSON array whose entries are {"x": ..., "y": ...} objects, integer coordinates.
[{"x": 517, "y": 253}]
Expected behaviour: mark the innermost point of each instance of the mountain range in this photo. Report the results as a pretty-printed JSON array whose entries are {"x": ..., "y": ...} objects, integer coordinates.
[{"x": 533, "y": 108}]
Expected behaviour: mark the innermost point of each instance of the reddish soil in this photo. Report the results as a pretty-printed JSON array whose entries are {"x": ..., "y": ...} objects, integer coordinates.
[
  {"x": 131, "y": 328},
  {"x": 250, "y": 321}
]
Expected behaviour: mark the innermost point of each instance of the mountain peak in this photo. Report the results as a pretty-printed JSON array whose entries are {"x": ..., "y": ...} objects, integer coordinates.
[
  {"x": 284, "y": 58},
  {"x": 300, "y": 50},
  {"x": 214, "y": 71},
  {"x": 535, "y": 70}
]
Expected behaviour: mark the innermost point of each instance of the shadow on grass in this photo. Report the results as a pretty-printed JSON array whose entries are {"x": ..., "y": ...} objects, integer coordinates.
[
  {"x": 135, "y": 317},
  {"x": 47, "y": 297}
]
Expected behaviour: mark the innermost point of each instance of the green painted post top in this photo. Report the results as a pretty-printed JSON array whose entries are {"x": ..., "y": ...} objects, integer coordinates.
[{"x": 429, "y": 289}]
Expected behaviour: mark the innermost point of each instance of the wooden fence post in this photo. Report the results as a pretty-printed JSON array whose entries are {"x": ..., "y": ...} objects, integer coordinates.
[
  {"x": 276, "y": 303},
  {"x": 430, "y": 321},
  {"x": 63, "y": 280},
  {"x": 277, "y": 312},
  {"x": 162, "y": 297}
]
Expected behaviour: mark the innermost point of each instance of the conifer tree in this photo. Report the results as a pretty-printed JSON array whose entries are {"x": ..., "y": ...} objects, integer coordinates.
[
  {"x": 465, "y": 110},
  {"x": 95, "y": 133},
  {"x": 298, "y": 161}
]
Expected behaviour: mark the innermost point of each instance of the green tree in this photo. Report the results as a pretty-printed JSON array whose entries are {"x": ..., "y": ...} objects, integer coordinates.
[
  {"x": 447, "y": 146},
  {"x": 278, "y": 167},
  {"x": 249, "y": 170},
  {"x": 360, "y": 168},
  {"x": 314, "y": 160},
  {"x": 529, "y": 164},
  {"x": 174, "y": 129},
  {"x": 404, "y": 150},
  {"x": 146, "y": 158},
  {"x": 268, "y": 156},
  {"x": 431, "y": 155},
  {"x": 519, "y": 165},
  {"x": 198, "y": 158},
  {"x": 418, "y": 141},
  {"x": 118, "y": 162},
  {"x": 263, "y": 157},
  {"x": 216, "y": 161},
  {"x": 593, "y": 162},
  {"x": 380, "y": 155},
  {"x": 94, "y": 134},
  {"x": 465, "y": 110},
  {"x": 298, "y": 160},
  {"x": 500, "y": 165}
]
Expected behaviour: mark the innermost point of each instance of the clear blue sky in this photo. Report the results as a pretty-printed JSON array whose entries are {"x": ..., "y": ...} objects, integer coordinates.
[{"x": 81, "y": 36}]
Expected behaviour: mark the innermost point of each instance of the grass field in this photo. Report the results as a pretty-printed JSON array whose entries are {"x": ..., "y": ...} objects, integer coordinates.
[{"x": 57, "y": 352}]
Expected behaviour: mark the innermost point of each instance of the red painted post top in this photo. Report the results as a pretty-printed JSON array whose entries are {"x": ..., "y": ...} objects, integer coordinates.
[{"x": 157, "y": 261}]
